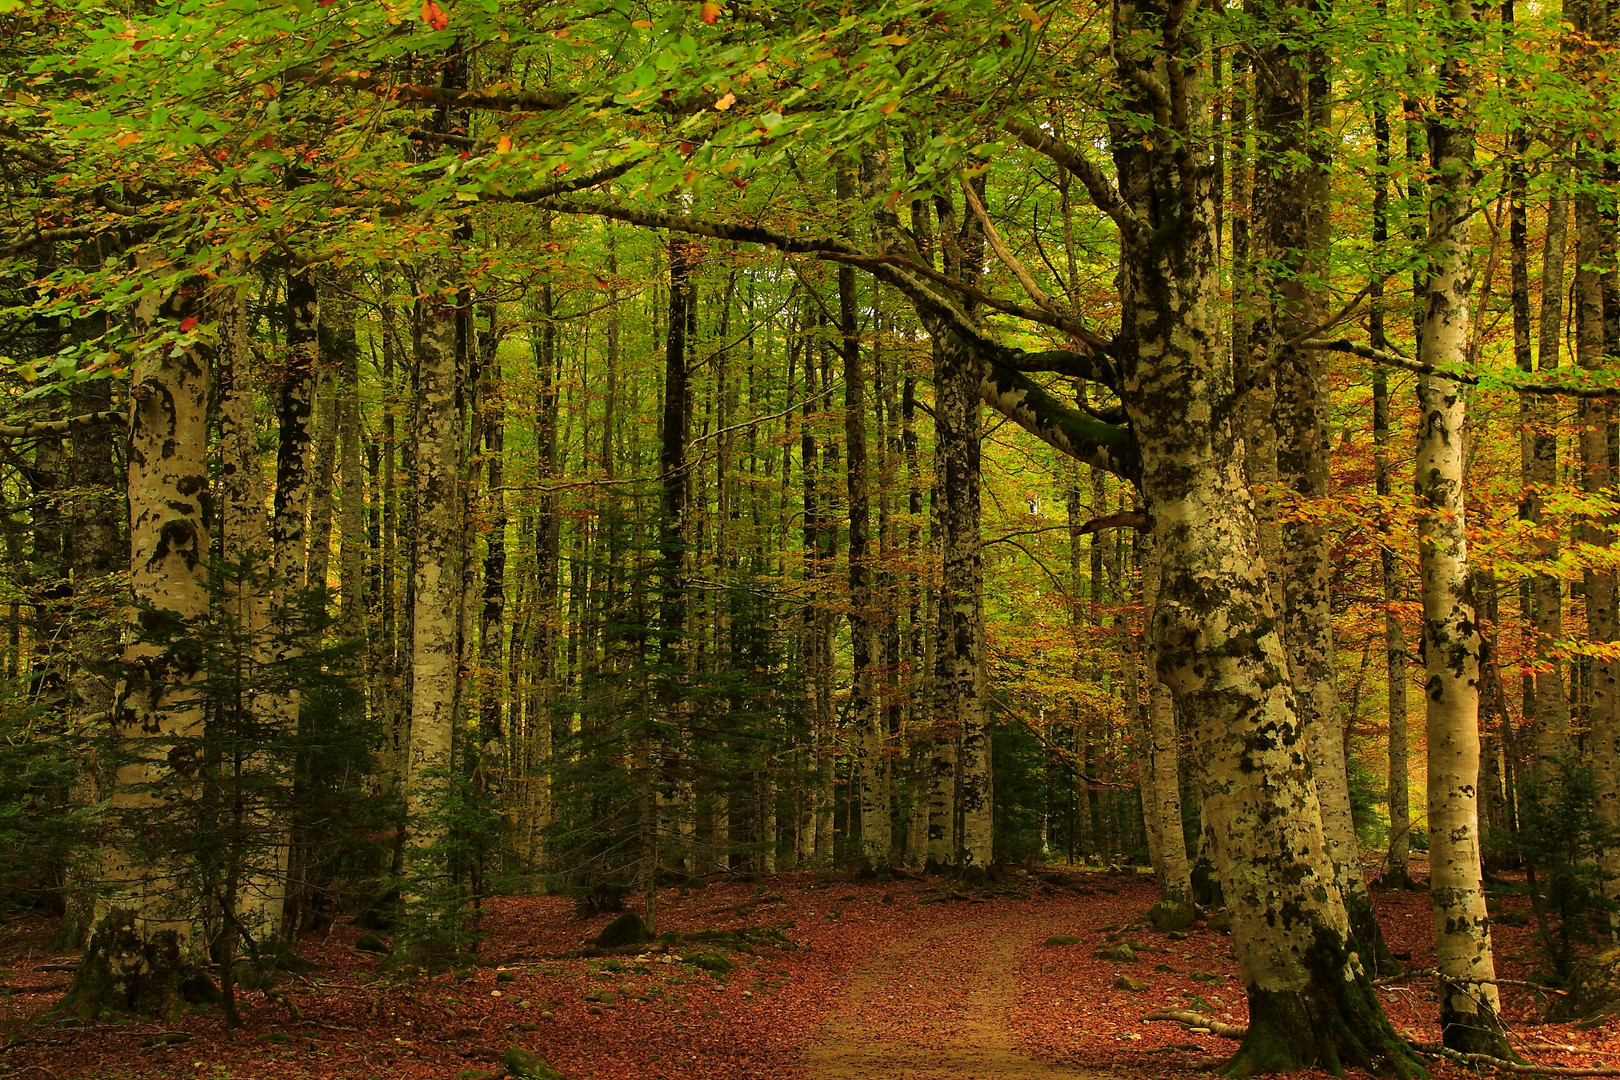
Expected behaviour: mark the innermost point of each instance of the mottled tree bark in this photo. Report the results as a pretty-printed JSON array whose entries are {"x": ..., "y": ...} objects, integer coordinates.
[
  {"x": 146, "y": 944},
  {"x": 435, "y": 608},
  {"x": 1291, "y": 192},
  {"x": 1469, "y": 1013},
  {"x": 1162, "y": 783},
  {"x": 1397, "y": 871},
  {"x": 865, "y": 713},
  {"x": 1220, "y": 651}
]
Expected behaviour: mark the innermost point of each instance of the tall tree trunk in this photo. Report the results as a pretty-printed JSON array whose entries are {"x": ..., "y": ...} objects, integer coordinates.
[
  {"x": 1593, "y": 251},
  {"x": 1310, "y": 998},
  {"x": 492, "y": 616},
  {"x": 1550, "y": 720},
  {"x": 435, "y": 620},
  {"x": 864, "y": 706},
  {"x": 1162, "y": 780},
  {"x": 327, "y": 422},
  {"x": 672, "y": 557},
  {"x": 1292, "y": 192},
  {"x": 1397, "y": 872},
  {"x": 344, "y": 359},
  {"x": 1469, "y": 1011},
  {"x": 145, "y": 944}
]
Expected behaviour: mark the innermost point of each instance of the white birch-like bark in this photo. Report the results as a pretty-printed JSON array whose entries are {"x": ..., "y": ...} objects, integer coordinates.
[
  {"x": 1162, "y": 782},
  {"x": 1469, "y": 1010},
  {"x": 435, "y": 620},
  {"x": 146, "y": 938}
]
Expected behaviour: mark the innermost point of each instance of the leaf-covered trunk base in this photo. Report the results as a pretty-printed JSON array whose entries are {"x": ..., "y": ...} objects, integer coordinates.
[
  {"x": 126, "y": 973},
  {"x": 1471, "y": 1033},
  {"x": 1332, "y": 1024}
]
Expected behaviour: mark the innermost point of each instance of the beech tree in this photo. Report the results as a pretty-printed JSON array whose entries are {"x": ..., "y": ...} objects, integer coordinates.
[{"x": 674, "y": 550}]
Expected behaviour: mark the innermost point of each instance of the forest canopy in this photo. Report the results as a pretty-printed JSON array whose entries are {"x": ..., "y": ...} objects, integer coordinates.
[{"x": 470, "y": 449}]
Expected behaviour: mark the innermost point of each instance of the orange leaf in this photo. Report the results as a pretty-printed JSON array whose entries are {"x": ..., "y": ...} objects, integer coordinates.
[
  {"x": 503, "y": 145},
  {"x": 434, "y": 15},
  {"x": 711, "y": 12}
]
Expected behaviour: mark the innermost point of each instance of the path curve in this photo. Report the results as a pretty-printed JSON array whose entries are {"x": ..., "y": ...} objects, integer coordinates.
[{"x": 935, "y": 1007}]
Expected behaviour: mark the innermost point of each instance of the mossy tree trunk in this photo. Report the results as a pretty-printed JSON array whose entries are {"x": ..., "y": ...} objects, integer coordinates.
[
  {"x": 436, "y": 595},
  {"x": 144, "y": 951}
]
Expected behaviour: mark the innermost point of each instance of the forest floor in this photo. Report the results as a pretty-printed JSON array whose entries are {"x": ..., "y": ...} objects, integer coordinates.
[{"x": 910, "y": 980}]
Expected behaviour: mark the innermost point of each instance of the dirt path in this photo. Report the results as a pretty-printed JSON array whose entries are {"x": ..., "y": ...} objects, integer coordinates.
[{"x": 934, "y": 1007}]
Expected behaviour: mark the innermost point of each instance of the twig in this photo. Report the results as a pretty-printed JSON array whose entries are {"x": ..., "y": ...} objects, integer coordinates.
[
  {"x": 1503, "y": 1065},
  {"x": 1432, "y": 973},
  {"x": 1239, "y": 1031}
]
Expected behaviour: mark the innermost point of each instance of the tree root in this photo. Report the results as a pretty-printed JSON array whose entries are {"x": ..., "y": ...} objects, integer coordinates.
[{"x": 1433, "y": 1050}]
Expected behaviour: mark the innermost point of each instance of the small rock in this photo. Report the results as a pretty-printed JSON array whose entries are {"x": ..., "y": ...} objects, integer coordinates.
[
  {"x": 1120, "y": 954},
  {"x": 715, "y": 963},
  {"x": 530, "y": 1065},
  {"x": 1062, "y": 939},
  {"x": 1204, "y": 977},
  {"x": 627, "y": 929},
  {"x": 505, "y": 976},
  {"x": 371, "y": 943},
  {"x": 1125, "y": 982},
  {"x": 1172, "y": 914},
  {"x": 603, "y": 997},
  {"x": 1166, "y": 968},
  {"x": 167, "y": 1038},
  {"x": 1221, "y": 922},
  {"x": 1594, "y": 990}
]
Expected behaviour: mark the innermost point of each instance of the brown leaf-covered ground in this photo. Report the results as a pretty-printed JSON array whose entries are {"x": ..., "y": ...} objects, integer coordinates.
[{"x": 910, "y": 979}]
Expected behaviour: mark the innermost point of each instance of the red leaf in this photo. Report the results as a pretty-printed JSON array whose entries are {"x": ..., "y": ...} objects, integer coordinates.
[{"x": 187, "y": 324}]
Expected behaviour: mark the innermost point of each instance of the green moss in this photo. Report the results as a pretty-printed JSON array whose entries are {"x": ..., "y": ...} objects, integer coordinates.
[
  {"x": 1333, "y": 1024},
  {"x": 124, "y": 973}
]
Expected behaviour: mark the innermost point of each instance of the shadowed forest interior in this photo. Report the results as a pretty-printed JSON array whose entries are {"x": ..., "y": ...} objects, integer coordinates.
[{"x": 483, "y": 470}]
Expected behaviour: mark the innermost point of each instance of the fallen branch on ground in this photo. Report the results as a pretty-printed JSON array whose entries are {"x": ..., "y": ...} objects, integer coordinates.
[
  {"x": 1199, "y": 1020},
  {"x": 1431, "y": 973},
  {"x": 1503, "y": 1065}
]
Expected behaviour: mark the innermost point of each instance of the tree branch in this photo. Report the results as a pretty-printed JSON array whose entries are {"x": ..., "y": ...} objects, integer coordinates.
[
  {"x": 42, "y": 428},
  {"x": 1468, "y": 378},
  {"x": 1101, "y": 191},
  {"x": 1021, "y": 272}
]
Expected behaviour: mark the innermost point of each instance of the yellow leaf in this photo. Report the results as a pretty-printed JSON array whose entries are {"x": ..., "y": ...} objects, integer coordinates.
[
  {"x": 642, "y": 24},
  {"x": 726, "y": 101},
  {"x": 895, "y": 40},
  {"x": 504, "y": 145},
  {"x": 886, "y": 108},
  {"x": 1027, "y": 11}
]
